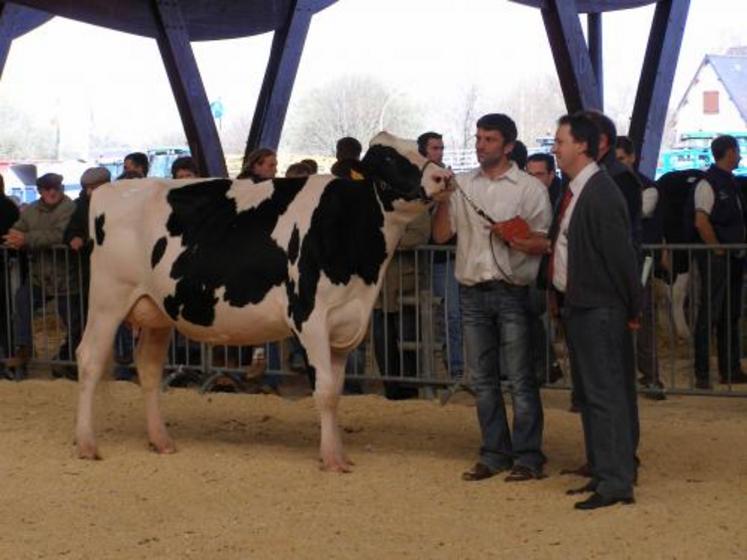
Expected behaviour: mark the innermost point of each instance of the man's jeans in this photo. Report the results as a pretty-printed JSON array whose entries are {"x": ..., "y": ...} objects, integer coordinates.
[
  {"x": 496, "y": 339},
  {"x": 446, "y": 287}
]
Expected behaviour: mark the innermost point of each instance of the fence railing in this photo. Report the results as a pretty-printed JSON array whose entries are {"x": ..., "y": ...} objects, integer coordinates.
[{"x": 691, "y": 340}]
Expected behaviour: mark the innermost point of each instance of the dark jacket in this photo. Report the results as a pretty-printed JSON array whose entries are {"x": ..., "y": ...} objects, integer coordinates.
[
  {"x": 8, "y": 214},
  {"x": 78, "y": 224},
  {"x": 602, "y": 264},
  {"x": 652, "y": 227},
  {"x": 631, "y": 189},
  {"x": 555, "y": 191},
  {"x": 726, "y": 216}
]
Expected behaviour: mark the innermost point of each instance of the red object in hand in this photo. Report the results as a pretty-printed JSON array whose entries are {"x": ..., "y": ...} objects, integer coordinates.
[{"x": 510, "y": 230}]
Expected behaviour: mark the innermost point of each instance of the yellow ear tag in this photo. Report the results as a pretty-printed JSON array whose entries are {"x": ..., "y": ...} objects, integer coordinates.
[{"x": 355, "y": 176}]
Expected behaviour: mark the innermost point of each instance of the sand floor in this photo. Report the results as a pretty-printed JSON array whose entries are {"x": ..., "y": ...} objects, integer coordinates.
[{"x": 245, "y": 483}]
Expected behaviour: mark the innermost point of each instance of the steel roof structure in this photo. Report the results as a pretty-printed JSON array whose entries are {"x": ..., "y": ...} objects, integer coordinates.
[{"x": 175, "y": 23}]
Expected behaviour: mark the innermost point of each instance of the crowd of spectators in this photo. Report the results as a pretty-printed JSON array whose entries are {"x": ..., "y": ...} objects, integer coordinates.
[{"x": 716, "y": 211}]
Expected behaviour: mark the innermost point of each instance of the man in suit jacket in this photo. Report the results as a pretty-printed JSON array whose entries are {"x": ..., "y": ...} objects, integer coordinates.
[{"x": 593, "y": 271}]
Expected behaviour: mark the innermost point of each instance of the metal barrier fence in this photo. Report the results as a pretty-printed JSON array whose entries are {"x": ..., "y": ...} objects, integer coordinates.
[{"x": 414, "y": 338}]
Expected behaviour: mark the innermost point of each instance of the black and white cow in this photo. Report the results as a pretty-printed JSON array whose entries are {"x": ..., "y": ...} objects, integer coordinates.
[{"x": 234, "y": 262}]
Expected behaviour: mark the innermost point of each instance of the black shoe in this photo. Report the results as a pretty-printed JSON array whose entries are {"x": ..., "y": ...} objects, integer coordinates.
[
  {"x": 737, "y": 377},
  {"x": 520, "y": 473},
  {"x": 596, "y": 501},
  {"x": 703, "y": 384},
  {"x": 588, "y": 487},
  {"x": 655, "y": 391}
]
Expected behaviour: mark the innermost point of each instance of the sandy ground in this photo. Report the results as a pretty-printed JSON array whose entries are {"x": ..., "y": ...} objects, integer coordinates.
[{"x": 245, "y": 482}]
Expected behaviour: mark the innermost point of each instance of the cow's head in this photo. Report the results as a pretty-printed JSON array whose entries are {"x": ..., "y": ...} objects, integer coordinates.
[{"x": 398, "y": 164}]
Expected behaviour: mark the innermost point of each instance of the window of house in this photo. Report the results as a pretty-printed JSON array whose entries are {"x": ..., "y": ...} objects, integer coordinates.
[{"x": 710, "y": 102}]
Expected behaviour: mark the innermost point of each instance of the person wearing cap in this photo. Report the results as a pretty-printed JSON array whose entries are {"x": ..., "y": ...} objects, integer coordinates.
[
  {"x": 76, "y": 233},
  {"x": 39, "y": 228}
]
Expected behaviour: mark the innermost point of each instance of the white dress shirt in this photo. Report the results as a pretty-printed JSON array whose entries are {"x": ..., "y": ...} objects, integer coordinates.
[
  {"x": 560, "y": 251},
  {"x": 480, "y": 256}
]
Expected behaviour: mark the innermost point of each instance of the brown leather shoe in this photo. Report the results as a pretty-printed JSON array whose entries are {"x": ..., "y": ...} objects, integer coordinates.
[
  {"x": 520, "y": 473},
  {"x": 479, "y": 471}
]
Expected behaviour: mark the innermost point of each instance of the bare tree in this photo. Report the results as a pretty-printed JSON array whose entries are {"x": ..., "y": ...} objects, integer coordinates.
[
  {"x": 22, "y": 137},
  {"x": 358, "y": 106},
  {"x": 466, "y": 113},
  {"x": 535, "y": 105}
]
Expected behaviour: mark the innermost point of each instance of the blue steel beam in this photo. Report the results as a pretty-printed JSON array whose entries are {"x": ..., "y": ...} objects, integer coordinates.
[
  {"x": 285, "y": 56},
  {"x": 189, "y": 92},
  {"x": 594, "y": 27},
  {"x": 571, "y": 54},
  {"x": 655, "y": 85},
  {"x": 15, "y": 21}
]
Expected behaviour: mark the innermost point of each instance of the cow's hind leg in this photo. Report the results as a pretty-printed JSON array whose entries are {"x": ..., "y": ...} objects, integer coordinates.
[
  {"x": 150, "y": 355},
  {"x": 93, "y": 355},
  {"x": 330, "y": 376}
]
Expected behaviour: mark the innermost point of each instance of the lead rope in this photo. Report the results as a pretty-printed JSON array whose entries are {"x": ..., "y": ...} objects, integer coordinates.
[{"x": 480, "y": 212}]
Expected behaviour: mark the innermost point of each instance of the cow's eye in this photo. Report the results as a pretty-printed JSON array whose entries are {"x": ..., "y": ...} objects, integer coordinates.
[{"x": 438, "y": 179}]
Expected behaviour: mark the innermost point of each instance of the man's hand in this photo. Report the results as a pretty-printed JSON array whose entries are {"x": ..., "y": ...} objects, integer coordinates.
[
  {"x": 445, "y": 194},
  {"x": 14, "y": 239},
  {"x": 76, "y": 243}
]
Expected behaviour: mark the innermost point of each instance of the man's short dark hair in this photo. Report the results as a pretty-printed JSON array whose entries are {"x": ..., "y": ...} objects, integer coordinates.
[
  {"x": 348, "y": 148},
  {"x": 311, "y": 164},
  {"x": 625, "y": 144},
  {"x": 722, "y": 144},
  {"x": 604, "y": 124},
  {"x": 139, "y": 159},
  {"x": 500, "y": 122},
  {"x": 184, "y": 162},
  {"x": 519, "y": 154},
  {"x": 547, "y": 159},
  {"x": 424, "y": 138},
  {"x": 583, "y": 129}
]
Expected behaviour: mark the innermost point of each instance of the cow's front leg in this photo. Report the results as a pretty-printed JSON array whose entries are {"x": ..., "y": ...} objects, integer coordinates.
[
  {"x": 330, "y": 376},
  {"x": 150, "y": 355}
]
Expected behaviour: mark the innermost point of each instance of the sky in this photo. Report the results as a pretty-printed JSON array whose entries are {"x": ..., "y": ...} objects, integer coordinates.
[{"x": 428, "y": 50}]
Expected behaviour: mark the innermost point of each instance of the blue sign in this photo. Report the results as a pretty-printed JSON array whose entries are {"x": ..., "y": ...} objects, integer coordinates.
[{"x": 216, "y": 108}]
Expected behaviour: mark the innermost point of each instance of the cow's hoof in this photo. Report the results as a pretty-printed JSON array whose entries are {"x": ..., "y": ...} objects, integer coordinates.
[
  {"x": 165, "y": 448},
  {"x": 88, "y": 452},
  {"x": 336, "y": 464}
]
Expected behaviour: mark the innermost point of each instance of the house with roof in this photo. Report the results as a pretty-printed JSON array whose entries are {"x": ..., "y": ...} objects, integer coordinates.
[{"x": 716, "y": 99}]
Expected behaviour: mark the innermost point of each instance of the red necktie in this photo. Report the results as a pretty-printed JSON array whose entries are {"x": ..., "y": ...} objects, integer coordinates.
[{"x": 564, "y": 203}]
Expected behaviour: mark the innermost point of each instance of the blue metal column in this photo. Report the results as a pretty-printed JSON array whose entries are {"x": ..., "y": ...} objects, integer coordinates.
[
  {"x": 285, "y": 56},
  {"x": 571, "y": 54},
  {"x": 189, "y": 91},
  {"x": 655, "y": 85}
]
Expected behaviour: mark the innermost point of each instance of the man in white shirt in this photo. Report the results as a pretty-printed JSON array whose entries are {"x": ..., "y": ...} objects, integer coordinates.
[{"x": 497, "y": 210}]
